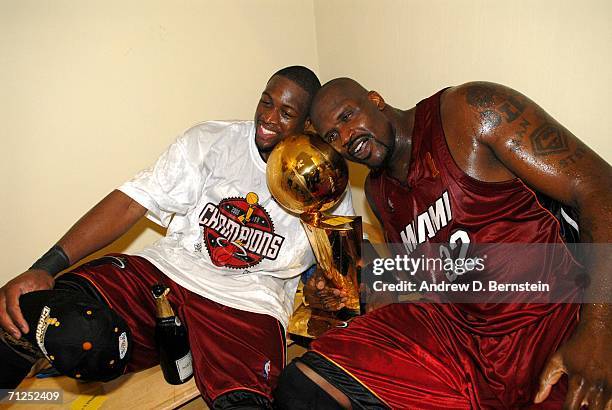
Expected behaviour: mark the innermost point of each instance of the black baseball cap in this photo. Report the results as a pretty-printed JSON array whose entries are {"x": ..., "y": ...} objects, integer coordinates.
[{"x": 80, "y": 336}]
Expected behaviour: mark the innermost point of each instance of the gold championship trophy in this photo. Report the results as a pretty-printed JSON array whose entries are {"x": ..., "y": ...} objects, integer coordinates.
[{"x": 307, "y": 176}]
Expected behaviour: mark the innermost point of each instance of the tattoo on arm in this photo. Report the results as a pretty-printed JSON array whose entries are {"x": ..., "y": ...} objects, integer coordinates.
[
  {"x": 524, "y": 126},
  {"x": 516, "y": 142},
  {"x": 494, "y": 103},
  {"x": 497, "y": 105},
  {"x": 513, "y": 108},
  {"x": 572, "y": 158},
  {"x": 480, "y": 96},
  {"x": 548, "y": 139}
]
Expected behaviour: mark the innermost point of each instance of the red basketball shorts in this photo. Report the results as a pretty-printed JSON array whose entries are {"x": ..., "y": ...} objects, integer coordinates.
[
  {"x": 231, "y": 349},
  {"x": 424, "y": 356}
]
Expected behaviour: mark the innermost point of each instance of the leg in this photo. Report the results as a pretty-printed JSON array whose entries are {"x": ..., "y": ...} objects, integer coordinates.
[
  {"x": 395, "y": 357},
  {"x": 241, "y": 400},
  {"x": 427, "y": 356},
  {"x": 238, "y": 355},
  {"x": 296, "y": 391},
  {"x": 124, "y": 283}
]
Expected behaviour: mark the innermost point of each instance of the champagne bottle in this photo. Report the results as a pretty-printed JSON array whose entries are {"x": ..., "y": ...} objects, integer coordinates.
[{"x": 171, "y": 337}]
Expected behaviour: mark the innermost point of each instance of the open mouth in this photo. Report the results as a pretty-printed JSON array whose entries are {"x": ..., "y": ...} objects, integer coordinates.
[
  {"x": 265, "y": 133},
  {"x": 361, "y": 147}
]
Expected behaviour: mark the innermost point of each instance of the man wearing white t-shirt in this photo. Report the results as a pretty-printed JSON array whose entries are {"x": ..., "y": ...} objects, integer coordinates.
[{"x": 231, "y": 256}]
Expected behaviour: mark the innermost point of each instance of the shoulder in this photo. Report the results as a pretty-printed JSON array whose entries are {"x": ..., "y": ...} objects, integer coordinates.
[
  {"x": 486, "y": 109},
  {"x": 482, "y": 96},
  {"x": 203, "y": 141},
  {"x": 481, "y": 93},
  {"x": 211, "y": 129},
  {"x": 208, "y": 134}
]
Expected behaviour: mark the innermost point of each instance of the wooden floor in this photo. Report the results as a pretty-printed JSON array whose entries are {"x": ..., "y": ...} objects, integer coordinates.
[{"x": 142, "y": 390}]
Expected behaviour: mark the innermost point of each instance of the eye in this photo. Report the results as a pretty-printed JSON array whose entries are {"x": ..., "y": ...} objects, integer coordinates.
[
  {"x": 286, "y": 114},
  {"x": 265, "y": 102},
  {"x": 331, "y": 136},
  {"x": 346, "y": 116}
]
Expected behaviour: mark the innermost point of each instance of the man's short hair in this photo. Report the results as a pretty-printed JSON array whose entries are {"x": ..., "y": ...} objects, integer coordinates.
[{"x": 302, "y": 76}]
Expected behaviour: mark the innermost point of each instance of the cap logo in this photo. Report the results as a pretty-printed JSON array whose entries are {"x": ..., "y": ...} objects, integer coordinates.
[
  {"x": 41, "y": 329},
  {"x": 123, "y": 345}
]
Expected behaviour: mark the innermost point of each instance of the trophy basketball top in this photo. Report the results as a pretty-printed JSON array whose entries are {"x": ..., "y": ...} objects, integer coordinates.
[{"x": 305, "y": 174}]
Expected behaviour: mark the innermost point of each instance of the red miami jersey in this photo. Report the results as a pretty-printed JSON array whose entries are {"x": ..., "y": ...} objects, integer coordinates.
[
  {"x": 442, "y": 204},
  {"x": 458, "y": 355}
]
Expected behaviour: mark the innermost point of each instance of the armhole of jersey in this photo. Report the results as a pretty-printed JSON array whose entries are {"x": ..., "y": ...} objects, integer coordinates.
[
  {"x": 567, "y": 227},
  {"x": 565, "y": 216}
]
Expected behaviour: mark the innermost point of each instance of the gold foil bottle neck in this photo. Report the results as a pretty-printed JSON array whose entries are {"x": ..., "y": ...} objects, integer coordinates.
[{"x": 162, "y": 305}]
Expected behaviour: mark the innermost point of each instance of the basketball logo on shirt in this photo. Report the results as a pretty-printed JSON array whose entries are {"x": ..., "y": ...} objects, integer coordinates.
[{"x": 238, "y": 232}]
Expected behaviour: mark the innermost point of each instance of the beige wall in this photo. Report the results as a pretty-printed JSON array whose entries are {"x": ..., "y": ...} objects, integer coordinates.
[
  {"x": 93, "y": 91},
  {"x": 558, "y": 52}
]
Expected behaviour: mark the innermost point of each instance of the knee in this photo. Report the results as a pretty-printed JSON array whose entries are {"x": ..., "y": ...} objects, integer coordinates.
[
  {"x": 241, "y": 400},
  {"x": 295, "y": 391}
]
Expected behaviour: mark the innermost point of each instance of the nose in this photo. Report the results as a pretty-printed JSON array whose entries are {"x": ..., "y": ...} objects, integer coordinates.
[
  {"x": 270, "y": 116},
  {"x": 345, "y": 136}
]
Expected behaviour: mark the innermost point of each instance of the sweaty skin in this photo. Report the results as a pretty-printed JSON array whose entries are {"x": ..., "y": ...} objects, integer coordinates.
[
  {"x": 281, "y": 111},
  {"x": 495, "y": 134}
]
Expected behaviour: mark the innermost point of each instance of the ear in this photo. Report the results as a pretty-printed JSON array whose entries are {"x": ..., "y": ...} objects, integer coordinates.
[{"x": 377, "y": 99}]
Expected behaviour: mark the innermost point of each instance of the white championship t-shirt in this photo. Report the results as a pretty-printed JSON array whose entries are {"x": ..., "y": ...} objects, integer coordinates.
[{"x": 227, "y": 239}]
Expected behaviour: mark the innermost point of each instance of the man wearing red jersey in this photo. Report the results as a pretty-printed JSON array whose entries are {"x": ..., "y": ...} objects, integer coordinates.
[{"x": 500, "y": 168}]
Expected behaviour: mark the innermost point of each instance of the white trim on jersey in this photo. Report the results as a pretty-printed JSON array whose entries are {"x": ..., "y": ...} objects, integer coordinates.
[{"x": 569, "y": 220}]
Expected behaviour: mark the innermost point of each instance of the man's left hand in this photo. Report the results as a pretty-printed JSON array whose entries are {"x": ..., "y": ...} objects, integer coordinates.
[{"x": 586, "y": 358}]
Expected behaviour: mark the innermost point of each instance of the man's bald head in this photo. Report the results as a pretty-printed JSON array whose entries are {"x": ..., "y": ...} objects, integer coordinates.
[
  {"x": 353, "y": 121},
  {"x": 337, "y": 89}
]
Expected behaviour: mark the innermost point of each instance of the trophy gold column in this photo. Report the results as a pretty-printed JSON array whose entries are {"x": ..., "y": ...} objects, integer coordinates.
[{"x": 307, "y": 177}]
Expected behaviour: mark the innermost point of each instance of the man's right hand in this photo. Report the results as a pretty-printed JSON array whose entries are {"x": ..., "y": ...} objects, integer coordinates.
[
  {"x": 103, "y": 224},
  {"x": 11, "y": 318},
  {"x": 319, "y": 293}
]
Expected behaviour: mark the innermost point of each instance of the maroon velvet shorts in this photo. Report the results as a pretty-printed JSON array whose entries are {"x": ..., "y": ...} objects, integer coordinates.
[
  {"x": 428, "y": 356},
  {"x": 231, "y": 349}
]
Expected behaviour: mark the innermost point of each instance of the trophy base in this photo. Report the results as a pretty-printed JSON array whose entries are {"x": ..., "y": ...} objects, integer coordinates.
[{"x": 307, "y": 324}]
